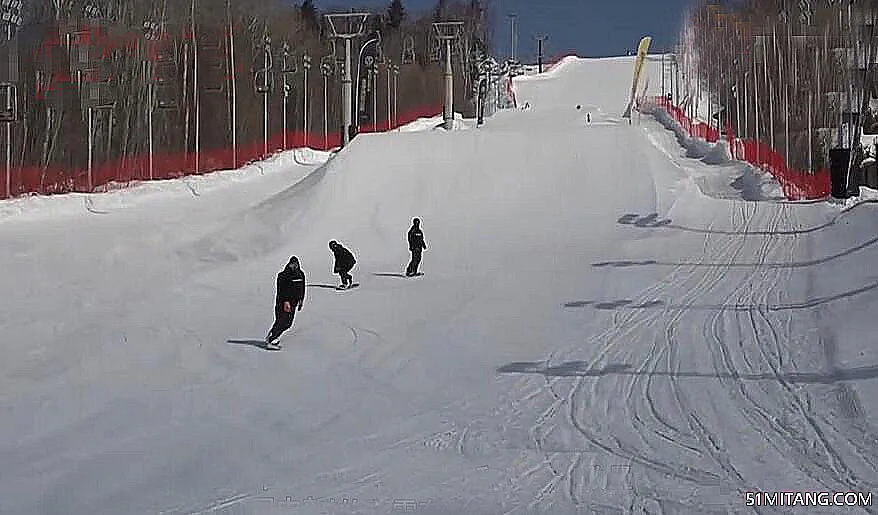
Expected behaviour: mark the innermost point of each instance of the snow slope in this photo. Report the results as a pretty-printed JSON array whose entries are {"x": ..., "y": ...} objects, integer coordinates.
[{"x": 608, "y": 323}]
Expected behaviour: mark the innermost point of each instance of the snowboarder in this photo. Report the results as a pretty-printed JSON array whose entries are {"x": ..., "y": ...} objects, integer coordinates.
[
  {"x": 290, "y": 296},
  {"x": 344, "y": 262},
  {"x": 416, "y": 246}
]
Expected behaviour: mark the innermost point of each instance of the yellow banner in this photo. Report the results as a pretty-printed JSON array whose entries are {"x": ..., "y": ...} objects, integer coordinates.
[{"x": 642, "y": 50}]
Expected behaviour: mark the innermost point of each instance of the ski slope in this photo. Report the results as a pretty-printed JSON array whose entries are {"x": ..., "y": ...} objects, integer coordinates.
[{"x": 612, "y": 320}]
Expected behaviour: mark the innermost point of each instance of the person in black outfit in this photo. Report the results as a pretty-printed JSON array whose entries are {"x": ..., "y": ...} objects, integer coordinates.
[
  {"x": 290, "y": 295},
  {"x": 344, "y": 262},
  {"x": 416, "y": 246}
]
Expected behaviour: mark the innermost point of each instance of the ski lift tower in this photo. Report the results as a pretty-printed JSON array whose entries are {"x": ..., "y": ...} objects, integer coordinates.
[
  {"x": 346, "y": 26},
  {"x": 448, "y": 31}
]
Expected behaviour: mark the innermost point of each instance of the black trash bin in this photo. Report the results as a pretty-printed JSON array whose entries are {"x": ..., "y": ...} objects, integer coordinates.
[{"x": 838, "y": 171}]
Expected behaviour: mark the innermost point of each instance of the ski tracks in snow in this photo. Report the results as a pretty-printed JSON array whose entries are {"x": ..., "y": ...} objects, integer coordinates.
[
  {"x": 663, "y": 432},
  {"x": 585, "y": 468}
]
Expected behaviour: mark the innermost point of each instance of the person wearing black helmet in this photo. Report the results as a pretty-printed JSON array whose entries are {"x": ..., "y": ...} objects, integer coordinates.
[
  {"x": 290, "y": 296},
  {"x": 344, "y": 262},
  {"x": 416, "y": 246}
]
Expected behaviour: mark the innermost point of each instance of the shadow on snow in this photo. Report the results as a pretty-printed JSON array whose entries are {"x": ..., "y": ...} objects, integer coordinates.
[{"x": 582, "y": 369}]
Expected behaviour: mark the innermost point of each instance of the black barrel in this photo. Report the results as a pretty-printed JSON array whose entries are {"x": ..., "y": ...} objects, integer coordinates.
[{"x": 838, "y": 171}]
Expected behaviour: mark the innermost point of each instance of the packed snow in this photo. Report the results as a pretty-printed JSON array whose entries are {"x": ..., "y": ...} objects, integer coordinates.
[{"x": 612, "y": 320}]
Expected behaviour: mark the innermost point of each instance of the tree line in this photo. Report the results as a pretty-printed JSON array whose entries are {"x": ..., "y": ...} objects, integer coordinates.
[
  {"x": 99, "y": 80},
  {"x": 787, "y": 73}
]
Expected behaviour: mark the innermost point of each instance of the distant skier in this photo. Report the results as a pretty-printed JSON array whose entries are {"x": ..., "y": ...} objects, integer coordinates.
[
  {"x": 290, "y": 295},
  {"x": 416, "y": 246},
  {"x": 344, "y": 262}
]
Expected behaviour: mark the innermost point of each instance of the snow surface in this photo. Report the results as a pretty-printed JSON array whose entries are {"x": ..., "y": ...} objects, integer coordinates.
[{"x": 608, "y": 323}]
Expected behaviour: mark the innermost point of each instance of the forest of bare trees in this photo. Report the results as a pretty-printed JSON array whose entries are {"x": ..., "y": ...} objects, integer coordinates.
[
  {"x": 119, "y": 86},
  {"x": 787, "y": 73}
]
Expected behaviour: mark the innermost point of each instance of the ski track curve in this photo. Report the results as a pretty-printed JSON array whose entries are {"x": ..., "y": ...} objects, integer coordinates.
[{"x": 808, "y": 448}]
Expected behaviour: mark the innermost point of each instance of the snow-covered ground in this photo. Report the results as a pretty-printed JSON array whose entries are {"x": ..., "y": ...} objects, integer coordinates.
[{"x": 610, "y": 322}]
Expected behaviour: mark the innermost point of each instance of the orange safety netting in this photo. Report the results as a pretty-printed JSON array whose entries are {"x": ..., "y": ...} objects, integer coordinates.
[
  {"x": 796, "y": 184},
  {"x": 55, "y": 179}
]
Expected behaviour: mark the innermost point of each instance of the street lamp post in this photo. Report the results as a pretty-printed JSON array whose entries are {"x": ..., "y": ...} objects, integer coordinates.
[
  {"x": 263, "y": 84},
  {"x": 540, "y": 40},
  {"x": 388, "y": 66},
  {"x": 374, "y": 73},
  {"x": 306, "y": 64},
  {"x": 512, "y": 18},
  {"x": 396, "y": 95},
  {"x": 286, "y": 69},
  {"x": 326, "y": 70}
]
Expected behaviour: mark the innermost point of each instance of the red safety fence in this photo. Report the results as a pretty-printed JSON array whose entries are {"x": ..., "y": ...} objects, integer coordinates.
[
  {"x": 53, "y": 180},
  {"x": 796, "y": 184}
]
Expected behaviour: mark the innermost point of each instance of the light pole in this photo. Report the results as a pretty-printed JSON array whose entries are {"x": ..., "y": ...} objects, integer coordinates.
[
  {"x": 233, "y": 79},
  {"x": 346, "y": 26},
  {"x": 326, "y": 70},
  {"x": 306, "y": 63},
  {"x": 396, "y": 95},
  {"x": 448, "y": 31},
  {"x": 374, "y": 73},
  {"x": 388, "y": 66},
  {"x": 512, "y": 18},
  {"x": 286, "y": 70},
  {"x": 540, "y": 40},
  {"x": 263, "y": 85}
]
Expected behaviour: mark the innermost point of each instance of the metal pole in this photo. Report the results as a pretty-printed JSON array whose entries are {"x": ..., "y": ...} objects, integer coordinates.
[
  {"x": 741, "y": 68},
  {"x": 771, "y": 91},
  {"x": 149, "y": 121},
  {"x": 810, "y": 129},
  {"x": 449, "y": 88},
  {"x": 194, "y": 86},
  {"x": 512, "y": 43},
  {"x": 8, "y": 161},
  {"x": 307, "y": 64},
  {"x": 185, "y": 95},
  {"x": 374, "y": 74},
  {"x": 109, "y": 131},
  {"x": 265, "y": 64},
  {"x": 819, "y": 88},
  {"x": 756, "y": 108},
  {"x": 346, "y": 94},
  {"x": 90, "y": 149},
  {"x": 746, "y": 120},
  {"x": 786, "y": 94},
  {"x": 514, "y": 39},
  {"x": 11, "y": 105},
  {"x": 284, "y": 113},
  {"x": 389, "y": 96},
  {"x": 264, "y": 124},
  {"x": 540, "y": 52},
  {"x": 396, "y": 96},
  {"x": 233, "y": 80},
  {"x": 325, "y": 112}
]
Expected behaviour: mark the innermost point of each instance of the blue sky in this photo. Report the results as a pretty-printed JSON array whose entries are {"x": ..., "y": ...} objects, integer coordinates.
[{"x": 588, "y": 27}]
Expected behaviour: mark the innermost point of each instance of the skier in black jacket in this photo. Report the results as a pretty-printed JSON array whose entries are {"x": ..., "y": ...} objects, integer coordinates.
[
  {"x": 344, "y": 262},
  {"x": 416, "y": 246},
  {"x": 290, "y": 295}
]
